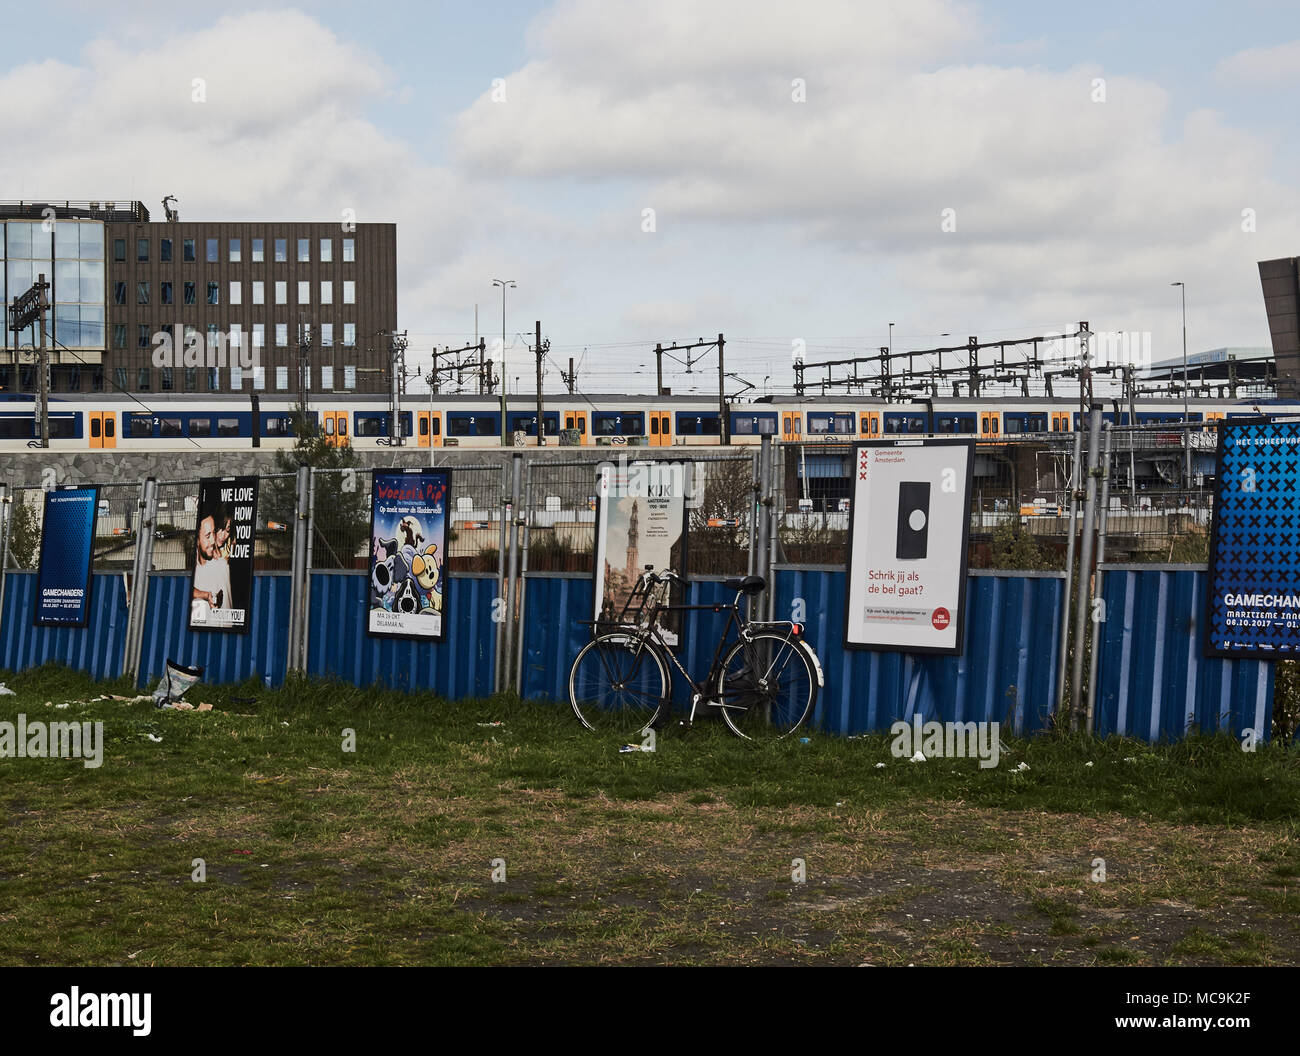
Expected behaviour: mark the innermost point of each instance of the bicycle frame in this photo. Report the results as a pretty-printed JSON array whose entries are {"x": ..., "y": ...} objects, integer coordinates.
[{"x": 701, "y": 691}]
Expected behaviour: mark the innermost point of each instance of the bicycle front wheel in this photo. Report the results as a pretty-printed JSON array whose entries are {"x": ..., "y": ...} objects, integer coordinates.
[
  {"x": 767, "y": 688},
  {"x": 618, "y": 684}
]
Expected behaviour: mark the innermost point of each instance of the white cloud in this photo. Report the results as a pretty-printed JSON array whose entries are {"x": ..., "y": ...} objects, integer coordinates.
[{"x": 1271, "y": 65}]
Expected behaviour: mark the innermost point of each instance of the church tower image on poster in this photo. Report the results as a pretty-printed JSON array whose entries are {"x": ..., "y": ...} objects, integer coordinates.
[{"x": 633, "y": 534}]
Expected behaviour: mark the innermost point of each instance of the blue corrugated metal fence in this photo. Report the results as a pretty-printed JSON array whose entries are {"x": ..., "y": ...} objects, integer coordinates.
[
  {"x": 96, "y": 648},
  {"x": 1153, "y": 683}
]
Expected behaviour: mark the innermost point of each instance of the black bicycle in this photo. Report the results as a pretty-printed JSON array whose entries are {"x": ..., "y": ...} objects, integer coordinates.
[{"x": 765, "y": 683}]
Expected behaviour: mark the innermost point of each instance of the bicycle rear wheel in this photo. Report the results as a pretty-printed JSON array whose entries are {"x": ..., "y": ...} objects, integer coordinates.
[
  {"x": 767, "y": 688},
  {"x": 618, "y": 684}
]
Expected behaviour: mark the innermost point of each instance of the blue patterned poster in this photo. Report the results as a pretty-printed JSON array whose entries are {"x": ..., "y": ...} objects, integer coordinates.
[
  {"x": 1253, "y": 599},
  {"x": 67, "y": 546}
]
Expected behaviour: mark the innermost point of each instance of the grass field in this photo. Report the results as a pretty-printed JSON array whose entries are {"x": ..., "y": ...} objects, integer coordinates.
[{"x": 385, "y": 855}]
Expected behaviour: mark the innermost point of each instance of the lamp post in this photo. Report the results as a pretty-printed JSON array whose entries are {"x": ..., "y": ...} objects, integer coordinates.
[
  {"x": 1187, "y": 447},
  {"x": 503, "y": 283}
]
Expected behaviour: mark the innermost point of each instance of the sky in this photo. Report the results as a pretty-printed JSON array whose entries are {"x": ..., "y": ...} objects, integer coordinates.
[{"x": 796, "y": 176}]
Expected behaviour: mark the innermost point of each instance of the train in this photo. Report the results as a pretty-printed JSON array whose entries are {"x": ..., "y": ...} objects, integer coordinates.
[{"x": 175, "y": 422}]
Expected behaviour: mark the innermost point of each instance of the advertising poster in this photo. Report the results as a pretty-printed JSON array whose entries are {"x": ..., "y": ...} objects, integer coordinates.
[
  {"x": 408, "y": 547},
  {"x": 221, "y": 589},
  {"x": 909, "y": 523},
  {"x": 640, "y": 521},
  {"x": 1253, "y": 597},
  {"x": 67, "y": 548}
]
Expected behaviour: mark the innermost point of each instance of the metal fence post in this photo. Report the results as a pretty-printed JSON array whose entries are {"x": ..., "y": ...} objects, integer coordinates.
[
  {"x": 1101, "y": 579},
  {"x": 512, "y": 609},
  {"x": 1084, "y": 599},
  {"x": 297, "y": 580},
  {"x": 524, "y": 513},
  {"x": 760, "y": 518},
  {"x": 146, "y": 521},
  {"x": 308, "y": 563},
  {"x": 499, "y": 608},
  {"x": 6, "y": 501},
  {"x": 1064, "y": 648}
]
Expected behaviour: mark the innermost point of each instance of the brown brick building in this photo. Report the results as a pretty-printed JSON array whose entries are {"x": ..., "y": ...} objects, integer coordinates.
[{"x": 268, "y": 285}]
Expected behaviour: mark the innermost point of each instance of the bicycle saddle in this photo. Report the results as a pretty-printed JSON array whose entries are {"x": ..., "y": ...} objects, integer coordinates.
[{"x": 748, "y": 585}]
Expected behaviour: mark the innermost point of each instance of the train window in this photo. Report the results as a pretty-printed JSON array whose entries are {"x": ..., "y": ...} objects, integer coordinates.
[
  {"x": 830, "y": 423},
  {"x": 406, "y": 424},
  {"x": 110, "y": 426},
  {"x": 200, "y": 426},
  {"x": 370, "y": 425},
  {"x": 230, "y": 427},
  {"x": 329, "y": 425},
  {"x": 170, "y": 427},
  {"x": 471, "y": 425},
  {"x": 754, "y": 425},
  {"x": 16, "y": 428},
  {"x": 140, "y": 427},
  {"x": 568, "y": 421},
  {"x": 618, "y": 425},
  {"x": 654, "y": 425},
  {"x": 94, "y": 428},
  {"x": 787, "y": 423},
  {"x": 424, "y": 425},
  {"x": 276, "y": 425},
  {"x": 994, "y": 423},
  {"x": 436, "y": 425}
]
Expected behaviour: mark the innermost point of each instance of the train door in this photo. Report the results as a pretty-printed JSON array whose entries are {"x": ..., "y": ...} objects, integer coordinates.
[
  {"x": 1060, "y": 422},
  {"x": 103, "y": 429},
  {"x": 870, "y": 425},
  {"x": 577, "y": 420},
  {"x": 791, "y": 426},
  {"x": 990, "y": 424},
  {"x": 334, "y": 424},
  {"x": 422, "y": 429},
  {"x": 661, "y": 433}
]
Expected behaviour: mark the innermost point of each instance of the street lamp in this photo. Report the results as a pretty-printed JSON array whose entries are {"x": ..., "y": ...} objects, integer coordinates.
[
  {"x": 503, "y": 283},
  {"x": 1187, "y": 447}
]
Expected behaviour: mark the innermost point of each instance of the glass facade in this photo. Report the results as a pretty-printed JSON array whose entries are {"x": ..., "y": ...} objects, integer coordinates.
[{"x": 70, "y": 254}]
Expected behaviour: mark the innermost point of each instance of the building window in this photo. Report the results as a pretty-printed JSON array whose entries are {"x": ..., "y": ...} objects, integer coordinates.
[
  {"x": 306, "y": 378},
  {"x": 141, "y": 293},
  {"x": 165, "y": 249},
  {"x": 304, "y": 293},
  {"x": 259, "y": 335},
  {"x": 119, "y": 378},
  {"x": 214, "y": 293},
  {"x": 349, "y": 377},
  {"x": 281, "y": 335},
  {"x": 213, "y": 250},
  {"x": 188, "y": 250},
  {"x": 119, "y": 293},
  {"x": 327, "y": 377},
  {"x": 191, "y": 378},
  {"x": 259, "y": 377},
  {"x": 97, "y": 379},
  {"x": 281, "y": 293},
  {"x": 142, "y": 250},
  {"x": 259, "y": 293},
  {"x": 349, "y": 292},
  {"x": 327, "y": 292},
  {"x": 282, "y": 378},
  {"x": 326, "y": 335},
  {"x": 142, "y": 379},
  {"x": 349, "y": 250},
  {"x": 281, "y": 250},
  {"x": 164, "y": 293},
  {"x": 189, "y": 293},
  {"x": 236, "y": 293},
  {"x": 142, "y": 336},
  {"x": 326, "y": 250},
  {"x": 236, "y": 377},
  {"x": 214, "y": 379},
  {"x": 119, "y": 335},
  {"x": 234, "y": 256},
  {"x": 304, "y": 250},
  {"x": 236, "y": 340},
  {"x": 349, "y": 335},
  {"x": 119, "y": 249},
  {"x": 259, "y": 254},
  {"x": 166, "y": 382}
]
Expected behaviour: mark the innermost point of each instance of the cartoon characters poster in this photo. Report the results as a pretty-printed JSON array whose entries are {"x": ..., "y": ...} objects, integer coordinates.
[
  {"x": 67, "y": 540},
  {"x": 408, "y": 548},
  {"x": 221, "y": 589}
]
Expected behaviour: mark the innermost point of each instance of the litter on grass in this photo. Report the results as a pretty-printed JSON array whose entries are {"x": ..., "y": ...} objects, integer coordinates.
[{"x": 175, "y": 681}]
